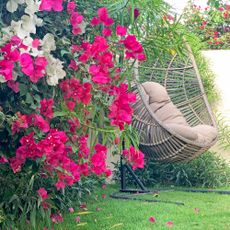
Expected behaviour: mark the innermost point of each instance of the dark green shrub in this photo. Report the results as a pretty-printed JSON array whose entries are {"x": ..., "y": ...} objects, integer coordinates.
[{"x": 208, "y": 170}]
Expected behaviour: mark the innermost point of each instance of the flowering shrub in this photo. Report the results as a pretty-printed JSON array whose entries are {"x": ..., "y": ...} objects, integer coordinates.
[
  {"x": 210, "y": 24},
  {"x": 62, "y": 86}
]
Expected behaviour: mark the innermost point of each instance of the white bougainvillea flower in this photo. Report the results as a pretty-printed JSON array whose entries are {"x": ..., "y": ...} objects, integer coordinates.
[
  {"x": 82, "y": 26},
  {"x": 28, "y": 24},
  {"x": 16, "y": 28},
  {"x": 33, "y": 51},
  {"x": 48, "y": 43},
  {"x": 37, "y": 21},
  {"x": 12, "y": 5},
  {"x": 54, "y": 70},
  {"x": 32, "y": 6},
  {"x": 2, "y": 79}
]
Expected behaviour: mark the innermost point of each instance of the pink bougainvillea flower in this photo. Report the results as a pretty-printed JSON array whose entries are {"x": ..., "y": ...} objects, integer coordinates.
[
  {"x": 84, "y": 150},
  {"x": 3, "y": 160},
  {"x": 70, "y": 105},
  {"x": 73, "y": 65},
  {"x": 41, "y": 123},
  {"x": 6, "y": 69},
  {"x": 104, "y": 186},
  {"x": 56, "y": 218},
  {"x": 45, "y": 205},
  {"x": 73, "y": 89},
  {"x": 121, "y": 30},
  {"x": 84, "y": 57},
  {"x": 71, "y": 7},
  {"x": 16, "y": 164},
  {"x": 221, "y": 9},
  {"x": 73, "y": 124},
  {"x": 152, "y": 219},
  {"x": 22, "y": 122},
  {"x": 134, "y": 157},
  {"x": 95, "y": 21},
  {"x": 48, "y": 5},
  {"x": 43, "y": 193},
  {"x": 10, "y": 52},
  {"x": 120, "y": 110},
  {"x": 108, "y": 172},
  {"x": 99, "y": 45},
  {"x": 107, "y": 32},
  {"x": 98, "y": 160},
  {"x": 116, "y": 140},
  {"x": 104, "y": 16},
  {"x": 14, "y": 86},
  {"x": 106, "y": 60},
  {"x": 169, "y": 223},
  {"x": 103, "y": 196},
  {"x": 78, "y": 219},
  {"x": 134, "y": 48},
  {"x": 35, "y": 69},
  {"x": 28, "y": 148},
  {"x": 131, "y": 43},
  {"x": 84, "y": 169},
  {"x": 101, "y": 78},
  {"x": 83, "y": 206},
  {"x": 75, "y": 48},
  {"x": 141, "y": 57},
  {"x": 15, "y": 40},
  {"x": 71, "y": 210},
  {"x": 59, "y": 185},
  {"x": 46, "y": 108},
  {"x": 76, "y": 19},
  {"x": 136, "y": 12},
  {"x": 36, "y": 43}
]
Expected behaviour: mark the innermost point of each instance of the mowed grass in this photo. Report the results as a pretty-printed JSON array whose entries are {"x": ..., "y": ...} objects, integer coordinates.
[{"x": 206, "y": 211}]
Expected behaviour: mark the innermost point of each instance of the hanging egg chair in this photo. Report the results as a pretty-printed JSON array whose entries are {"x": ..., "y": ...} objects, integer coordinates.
[{"x": 172, "y": 115}]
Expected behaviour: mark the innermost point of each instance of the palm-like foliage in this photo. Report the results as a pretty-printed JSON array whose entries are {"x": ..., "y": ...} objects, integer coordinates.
[{"x": 159, "y": 35}]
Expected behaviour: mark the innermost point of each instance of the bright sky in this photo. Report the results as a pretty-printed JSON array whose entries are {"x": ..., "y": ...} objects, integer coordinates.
[{"x": 180, "y": 4}]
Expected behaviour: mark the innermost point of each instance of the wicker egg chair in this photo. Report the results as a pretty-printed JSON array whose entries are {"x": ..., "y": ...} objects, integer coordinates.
[{"x": 180, "y": 77}]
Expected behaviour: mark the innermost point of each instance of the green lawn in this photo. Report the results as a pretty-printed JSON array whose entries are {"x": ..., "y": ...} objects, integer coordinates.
[{"x": 214, "y": 212}]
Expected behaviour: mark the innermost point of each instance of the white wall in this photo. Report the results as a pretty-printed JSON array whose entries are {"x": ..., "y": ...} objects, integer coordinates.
[{"x": 219, "y": 61}]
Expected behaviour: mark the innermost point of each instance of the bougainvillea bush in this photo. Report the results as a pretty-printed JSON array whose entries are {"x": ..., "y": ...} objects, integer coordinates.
[
  {"x": 64, "y": 100},
  {"x": 211, "y": 24}
]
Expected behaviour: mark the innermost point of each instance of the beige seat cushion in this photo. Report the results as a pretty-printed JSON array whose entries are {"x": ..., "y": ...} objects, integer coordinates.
[
  {"x": 206, "y": 133},
  {"x": 183, "y": 130},
  {"x": 170, "y": 114}
]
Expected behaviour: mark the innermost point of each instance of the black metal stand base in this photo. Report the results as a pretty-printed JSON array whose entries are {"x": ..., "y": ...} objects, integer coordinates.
[{"x": 124, "y": 168}]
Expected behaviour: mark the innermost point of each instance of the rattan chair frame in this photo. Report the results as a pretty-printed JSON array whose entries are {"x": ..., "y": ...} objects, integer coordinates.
[{"x": 181, "y": 78}]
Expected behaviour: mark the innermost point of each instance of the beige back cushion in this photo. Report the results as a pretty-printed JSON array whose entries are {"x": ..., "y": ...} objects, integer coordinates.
[
  {"x": 161, "y": 105},
  {"x": 156, "y": 92}
]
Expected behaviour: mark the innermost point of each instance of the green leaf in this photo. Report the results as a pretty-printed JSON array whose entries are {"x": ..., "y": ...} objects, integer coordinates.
[
  {"x": 33, "y": 217},
  {"x": 60, "y": 114},
  {"x": 23, "y": 89},
  {"x": 29, "y": 98},
  {"x": 63, "y": 52}
]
